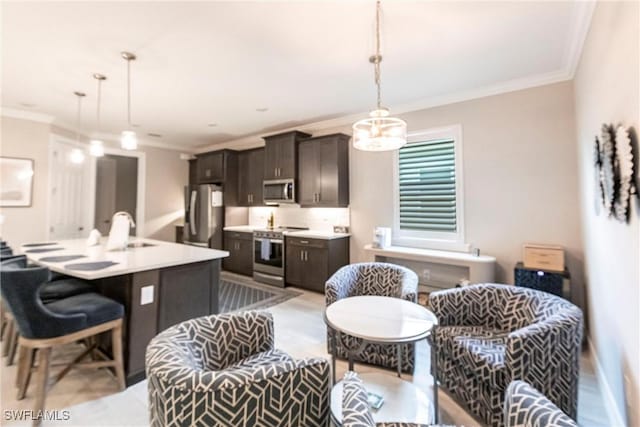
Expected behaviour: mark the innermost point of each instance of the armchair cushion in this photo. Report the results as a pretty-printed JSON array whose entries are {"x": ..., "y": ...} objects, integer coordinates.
[
  {"x": 265, "y": 358},
  {"x": 484, "y": 356},
  {"x": 63, "y": 288}
]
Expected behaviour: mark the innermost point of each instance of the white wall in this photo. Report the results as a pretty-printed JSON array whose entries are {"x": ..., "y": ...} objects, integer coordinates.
[
  {"x": 165, "y": 177},
  {"x": 607, "y": 91}
]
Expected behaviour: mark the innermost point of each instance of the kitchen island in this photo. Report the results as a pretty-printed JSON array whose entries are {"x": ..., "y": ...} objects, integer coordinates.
[{"x": 159, "y": 283}]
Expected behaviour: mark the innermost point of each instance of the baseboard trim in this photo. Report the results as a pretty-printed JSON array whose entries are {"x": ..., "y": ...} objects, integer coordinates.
[{"x": 613, "y": 413}]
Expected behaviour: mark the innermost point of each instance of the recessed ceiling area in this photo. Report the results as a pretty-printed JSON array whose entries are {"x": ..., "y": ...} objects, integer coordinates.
[{"x": 210, "y": 72}]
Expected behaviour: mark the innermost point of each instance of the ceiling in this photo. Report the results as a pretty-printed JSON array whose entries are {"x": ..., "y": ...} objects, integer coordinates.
[{"x": 205, "y": 63}]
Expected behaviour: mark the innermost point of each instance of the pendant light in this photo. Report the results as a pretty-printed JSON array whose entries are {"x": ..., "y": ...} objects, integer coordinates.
[
  {"x": 96, "y": 146},
  {"x": 128, "y": 139},
  {"x": 77, "y": 155},
  {"x": 379, "y": 132}
]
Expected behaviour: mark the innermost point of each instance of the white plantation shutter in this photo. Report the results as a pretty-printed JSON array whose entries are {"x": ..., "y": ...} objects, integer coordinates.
[{"x": 427, "y": 186}]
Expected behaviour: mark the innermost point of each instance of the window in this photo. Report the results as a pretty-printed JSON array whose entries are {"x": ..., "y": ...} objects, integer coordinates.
[{"x": 428, "y": 205}]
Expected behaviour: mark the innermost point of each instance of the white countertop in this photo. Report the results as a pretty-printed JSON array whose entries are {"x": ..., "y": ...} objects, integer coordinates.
[
  {"x": 313, "y": 234},
  {"x": 161, "y": 254},
  {"x": 310, "y": 234},
  {"x": 242, "y": 228}
]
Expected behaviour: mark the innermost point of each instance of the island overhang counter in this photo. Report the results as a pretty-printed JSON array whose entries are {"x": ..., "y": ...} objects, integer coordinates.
[{"x": 158, "y": 283}]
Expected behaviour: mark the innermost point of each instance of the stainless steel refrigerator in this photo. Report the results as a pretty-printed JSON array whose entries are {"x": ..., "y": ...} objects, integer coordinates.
[{"x": 204, "y": 215}]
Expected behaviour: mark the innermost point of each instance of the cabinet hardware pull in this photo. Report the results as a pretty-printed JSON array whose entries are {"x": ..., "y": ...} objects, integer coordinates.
[
  {"x": 301, "y": 255},
  {"x": 306, "y": 256},
  {"x": 304, "y": 242}
]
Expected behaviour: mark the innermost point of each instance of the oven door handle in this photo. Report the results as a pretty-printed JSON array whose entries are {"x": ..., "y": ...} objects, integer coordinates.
[{"x": 258, "y": 239}]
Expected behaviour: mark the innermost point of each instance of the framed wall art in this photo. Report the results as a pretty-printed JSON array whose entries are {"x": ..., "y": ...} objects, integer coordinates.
[{"x": 16, "y": 182}]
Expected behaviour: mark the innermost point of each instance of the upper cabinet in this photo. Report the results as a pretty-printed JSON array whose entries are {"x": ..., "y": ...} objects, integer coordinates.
[
  {"x": 210, "y": 167},
  {"x": 323, "y": 164},
  {"x": 250, "y": 176},
  {"x": 218, "y": 167},
  {"x": 281, "y": 155}
]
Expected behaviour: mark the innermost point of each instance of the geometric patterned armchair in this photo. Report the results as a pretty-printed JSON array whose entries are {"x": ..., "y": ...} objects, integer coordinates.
[
  {"x": 524, "y": 406},
  {"x": 222, "y": 370},
  {"x": 490, "y": 335},
  {"x": 380, "y": 279}
]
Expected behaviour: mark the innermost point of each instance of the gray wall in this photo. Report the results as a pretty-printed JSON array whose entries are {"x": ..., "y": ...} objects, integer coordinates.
[
  {"x": 607, "y": 91},
  {"x": 519, "y": 169}
]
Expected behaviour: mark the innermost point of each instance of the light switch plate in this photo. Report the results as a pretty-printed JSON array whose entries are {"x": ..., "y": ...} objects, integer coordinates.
[{"x": 146, "y": 295}]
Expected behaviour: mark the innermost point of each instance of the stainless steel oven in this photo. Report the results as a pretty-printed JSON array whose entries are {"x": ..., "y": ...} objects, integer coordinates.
[{"x": 268, "y": 257}]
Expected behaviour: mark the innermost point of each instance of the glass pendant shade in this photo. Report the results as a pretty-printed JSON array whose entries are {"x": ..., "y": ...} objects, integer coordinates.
[
  {"x": 128, "y": 140},
  {"x": 76, "y": 156},
  {"x": 96, "y": 148},
  {"x": 379, "y": 132}
]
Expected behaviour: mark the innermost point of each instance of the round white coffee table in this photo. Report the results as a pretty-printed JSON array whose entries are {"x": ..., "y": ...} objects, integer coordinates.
[
  {"x": 403, "y": 401},
  {"x": 383, "y": 320}
]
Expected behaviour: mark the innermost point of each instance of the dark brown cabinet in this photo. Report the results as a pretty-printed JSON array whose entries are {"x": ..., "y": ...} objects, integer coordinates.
[
  {"x": 210, "y": 167},
  {"x": 250, "y": 176},
  {"x": 323, "y": 164},
  {"x": 310, "y": 262},
  {"x": 281, "y": 155},
  {"x": 217, "y": 167},
  {"x": 240, "y": 248}
]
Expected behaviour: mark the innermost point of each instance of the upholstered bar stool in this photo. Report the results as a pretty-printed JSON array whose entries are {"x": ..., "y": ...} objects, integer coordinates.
[
  {"x": 68, "y": 320},
  {"x": 50, "y": 291}
]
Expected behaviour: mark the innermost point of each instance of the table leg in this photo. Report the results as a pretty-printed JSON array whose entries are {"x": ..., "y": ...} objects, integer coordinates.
[
  {"x": 334, "y": 353},
  {"x": 434, "y": 374},
  {"x": 399, "y": 360}
]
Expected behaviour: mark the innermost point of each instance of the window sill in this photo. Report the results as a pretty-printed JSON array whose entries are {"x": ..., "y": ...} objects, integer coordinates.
[{"x": 430, "y": 255}]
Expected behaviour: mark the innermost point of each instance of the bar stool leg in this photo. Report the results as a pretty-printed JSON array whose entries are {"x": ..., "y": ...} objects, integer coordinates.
[
  {"x": 116, "y": 346},
  {"x": 8, "y": 333},
  {"x": 400, "y": 360},
  {"x": 43, "y": 379},
  {"x": 14, "y": 346},
  {"x": 25, "y": 362}
]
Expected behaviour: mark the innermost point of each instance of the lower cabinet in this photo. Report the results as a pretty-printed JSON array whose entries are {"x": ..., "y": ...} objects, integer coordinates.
[
  {"x": 240, "y": 248},
  {"x": 310, "y": 262}
]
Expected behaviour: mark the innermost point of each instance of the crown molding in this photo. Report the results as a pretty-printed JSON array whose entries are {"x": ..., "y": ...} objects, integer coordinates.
[
  {"x": 144, "y": 142},
  {"x": 26, "y": 115},
  {"x": 579, "y": 32},
  {"x": 255, "y": 140}
]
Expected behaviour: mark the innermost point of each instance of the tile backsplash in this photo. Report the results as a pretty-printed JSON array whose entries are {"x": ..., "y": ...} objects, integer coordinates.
[{"x": 320, "y": 219}]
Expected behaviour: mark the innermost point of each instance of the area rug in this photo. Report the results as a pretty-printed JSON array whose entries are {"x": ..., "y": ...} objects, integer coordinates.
[{"x": 239, "y": 293}]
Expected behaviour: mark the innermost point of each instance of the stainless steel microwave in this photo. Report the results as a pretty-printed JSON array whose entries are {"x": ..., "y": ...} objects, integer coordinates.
[{"x": 279, "y": 191}]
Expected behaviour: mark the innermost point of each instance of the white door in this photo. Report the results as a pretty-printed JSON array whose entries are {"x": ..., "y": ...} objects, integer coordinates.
[{"x": 70, "y": 184}]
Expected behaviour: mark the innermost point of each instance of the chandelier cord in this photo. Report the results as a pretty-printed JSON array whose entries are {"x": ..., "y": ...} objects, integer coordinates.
[
  {"x": 78, "y": 118},
  {"x": 378, "y": 58},
  {"x": 98, "y": 106},
  {"x": 129, "y": 92}
]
